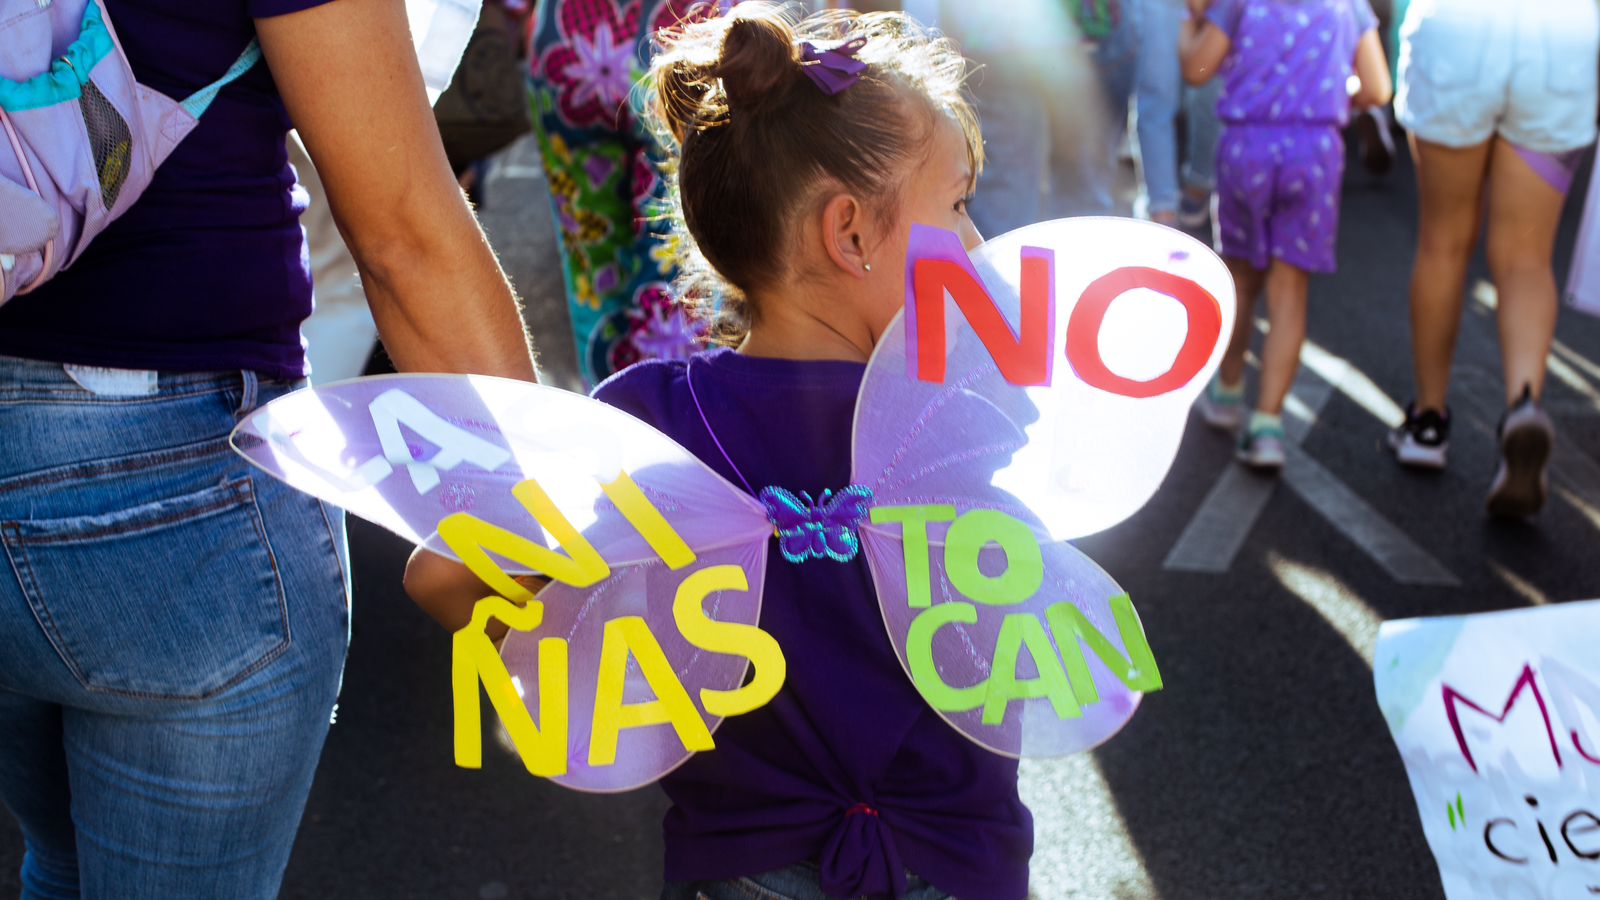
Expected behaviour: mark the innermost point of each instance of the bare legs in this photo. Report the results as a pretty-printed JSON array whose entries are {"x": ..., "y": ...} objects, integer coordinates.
[
  {"x": 1247, "y": 283},
  {"x": 1286, "y": 331},
  {"x": 1523, "y": 211},
  {"x": 1286, "y": 288},
  {"x": 1450, "y": 182}
]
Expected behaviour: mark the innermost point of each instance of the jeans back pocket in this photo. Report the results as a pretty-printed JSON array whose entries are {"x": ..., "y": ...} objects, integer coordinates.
[{"x": 177, "y": 599}]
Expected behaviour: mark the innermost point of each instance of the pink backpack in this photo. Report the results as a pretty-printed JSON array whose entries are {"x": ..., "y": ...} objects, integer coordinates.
[{"x": 82, "y": 138}]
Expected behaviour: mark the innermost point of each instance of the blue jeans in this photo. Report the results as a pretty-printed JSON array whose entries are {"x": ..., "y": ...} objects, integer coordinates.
[
  {"x": 1156, "y": 102},
  {"x": 1053, "y": 123},
  {"x": 797, "y": 882},
  {"x": 1087, "y": 185},
  {"x": 172, "y": 635},
  {"x": 1203, "y": 132}
]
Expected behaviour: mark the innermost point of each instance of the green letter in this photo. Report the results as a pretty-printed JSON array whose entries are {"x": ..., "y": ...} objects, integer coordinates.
[
  {"x": 915, "y": 519},
  {"x": 1137, "y": 670},
  {"x": 919, "y": 655},
  {"x": 1024, "y": 563},
  {"x": 1019, "y": 629}
]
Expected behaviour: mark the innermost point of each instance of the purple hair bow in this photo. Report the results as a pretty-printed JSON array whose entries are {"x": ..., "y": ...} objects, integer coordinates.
[{"x": 833, "y": 70}]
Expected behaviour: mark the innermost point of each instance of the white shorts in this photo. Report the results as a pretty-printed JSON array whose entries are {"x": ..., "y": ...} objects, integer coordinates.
[{"x": 1524, "y": 69}]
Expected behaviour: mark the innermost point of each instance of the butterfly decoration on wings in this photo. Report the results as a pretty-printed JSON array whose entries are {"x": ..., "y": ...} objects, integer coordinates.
[{"x": 1031, "y": 392}]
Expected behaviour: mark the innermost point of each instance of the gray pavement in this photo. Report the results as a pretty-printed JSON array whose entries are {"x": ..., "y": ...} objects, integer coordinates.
[{"x": 1262, "y": 770}]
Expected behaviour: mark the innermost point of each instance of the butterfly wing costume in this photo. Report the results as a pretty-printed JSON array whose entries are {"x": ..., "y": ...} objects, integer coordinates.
[{"x": 972, "y": 468}]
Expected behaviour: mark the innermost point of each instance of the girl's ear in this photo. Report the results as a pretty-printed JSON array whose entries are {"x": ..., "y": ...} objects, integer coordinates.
[{"x": 845, "y": 236}]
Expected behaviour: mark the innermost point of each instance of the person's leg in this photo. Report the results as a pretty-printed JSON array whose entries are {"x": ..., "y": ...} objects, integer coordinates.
[
  {"x": 1221, "y": 405},
  {"x": 1526, "y": 191},
  {"x": 1286, "y": 287},
  {"x": 34, "y": 787},
  {"x": 1524, "y": 210},
  {"x": 1261, "y": 443},
  {"x": 1202, "y": 131},
  {"x": 192, "y": 700},
  {"x": 1084, "y": 155},
  {"x": 1242, "y": 243},
  {"x": 1450, "y": 187},
  {"x": 1247, "y": 282},
  {"x": 1158, "y": 96}
]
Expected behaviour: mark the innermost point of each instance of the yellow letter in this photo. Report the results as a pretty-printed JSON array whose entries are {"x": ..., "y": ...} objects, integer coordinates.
[
  {"x": 648, "y": 521},
  {"x": 672, "y": 704},
  {"x": 470, "y": 537},
  {"x": 543, "y": 750},
  {"x": 731, "y": 638}
]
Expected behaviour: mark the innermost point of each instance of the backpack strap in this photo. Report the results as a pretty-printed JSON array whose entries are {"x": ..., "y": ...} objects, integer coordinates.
[{"x": 199, "y": 101}]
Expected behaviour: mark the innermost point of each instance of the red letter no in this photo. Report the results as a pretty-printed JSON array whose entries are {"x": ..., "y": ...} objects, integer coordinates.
[
  {"x": 1083, "y": 330},
  {"x": 1024, "y": 357}
]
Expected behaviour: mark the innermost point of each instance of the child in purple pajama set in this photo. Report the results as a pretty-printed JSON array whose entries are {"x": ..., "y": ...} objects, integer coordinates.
[{"x": 1285, "y": 66}]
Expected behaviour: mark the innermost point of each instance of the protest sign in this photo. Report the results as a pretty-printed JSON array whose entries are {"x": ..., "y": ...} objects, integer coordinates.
[{"x": 1497, "y": 717}]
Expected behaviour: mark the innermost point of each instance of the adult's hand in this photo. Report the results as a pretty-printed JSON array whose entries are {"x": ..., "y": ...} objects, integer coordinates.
[{"x": 349, "y": 77}]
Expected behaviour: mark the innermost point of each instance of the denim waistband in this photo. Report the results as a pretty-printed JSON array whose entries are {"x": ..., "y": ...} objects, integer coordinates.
[{"x": 23, "y": 380}]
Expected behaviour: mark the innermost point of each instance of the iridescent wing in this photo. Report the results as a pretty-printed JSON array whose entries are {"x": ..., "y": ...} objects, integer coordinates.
[
  {"x": 523, "y": 478},
  {"x": 988, "y": 446}
]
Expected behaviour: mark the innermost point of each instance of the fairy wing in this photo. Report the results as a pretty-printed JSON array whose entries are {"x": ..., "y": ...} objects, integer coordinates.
[
  {"x": 1045, "y": 382},
  {"x": 526, "y": 478}
]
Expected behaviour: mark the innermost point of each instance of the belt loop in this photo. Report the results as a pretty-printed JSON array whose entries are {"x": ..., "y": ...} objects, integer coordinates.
[{"x": 247, "y": 393}]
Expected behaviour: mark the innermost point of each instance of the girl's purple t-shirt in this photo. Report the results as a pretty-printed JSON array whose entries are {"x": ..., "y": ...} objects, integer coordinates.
[
  {"x": 1288, "y": 60},
  {"x": 847, "y": 767},
  {"x": 207, "y": 271}
]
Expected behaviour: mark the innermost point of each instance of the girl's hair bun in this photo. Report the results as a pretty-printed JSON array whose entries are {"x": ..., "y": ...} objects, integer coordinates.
[
  {"x": 751, "y": 140},
  {"x": 758, "y": 61}
]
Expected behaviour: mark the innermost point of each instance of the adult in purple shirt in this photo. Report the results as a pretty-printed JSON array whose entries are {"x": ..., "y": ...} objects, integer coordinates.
[{"x": 172, "y": 629}]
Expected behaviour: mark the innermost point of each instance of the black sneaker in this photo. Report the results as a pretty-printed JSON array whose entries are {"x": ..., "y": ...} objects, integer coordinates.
[
  {"x": 1525, "y": 437},
  {"x": 1423, "y": 441}
]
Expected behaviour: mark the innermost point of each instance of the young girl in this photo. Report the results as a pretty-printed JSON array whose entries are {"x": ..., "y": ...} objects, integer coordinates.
[
  {"x": 798, "y": 184},
  {"x": 1285, "y": 65}
]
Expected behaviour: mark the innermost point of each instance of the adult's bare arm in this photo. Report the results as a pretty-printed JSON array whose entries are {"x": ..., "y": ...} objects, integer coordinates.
[
  {"x": 349, "y": 77},
  {"x": 1202, "y": 47},
  {"x": 1372, "y": 68}
]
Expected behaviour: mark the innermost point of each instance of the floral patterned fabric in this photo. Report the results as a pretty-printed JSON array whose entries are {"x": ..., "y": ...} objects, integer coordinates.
[{"x": 605, "y": 183}]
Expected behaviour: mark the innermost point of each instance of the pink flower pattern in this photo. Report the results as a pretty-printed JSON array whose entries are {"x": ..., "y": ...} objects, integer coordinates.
[{"x": 593, "y": 65}]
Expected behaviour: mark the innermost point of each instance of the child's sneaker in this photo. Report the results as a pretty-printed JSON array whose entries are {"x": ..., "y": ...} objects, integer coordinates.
[
  {"x": 1194, "y": 211},
  {"x": 1423, "y": 440},
  {"x": 1222, "y": 407},
  {"x": 1261, "y": 446},
  {"x": 1525, "y": 436}
]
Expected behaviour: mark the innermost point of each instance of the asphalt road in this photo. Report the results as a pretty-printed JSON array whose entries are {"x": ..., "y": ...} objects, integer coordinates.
[{"x": 1263, "y": 769}]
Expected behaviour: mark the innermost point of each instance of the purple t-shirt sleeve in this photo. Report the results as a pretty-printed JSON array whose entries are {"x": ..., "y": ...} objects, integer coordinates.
[
  {"x": 1366, "y": 20},
  {"x": 1226, "y": 15},
  {"x": 642, "y": 390},
  {"x": 265, "y": 9}
]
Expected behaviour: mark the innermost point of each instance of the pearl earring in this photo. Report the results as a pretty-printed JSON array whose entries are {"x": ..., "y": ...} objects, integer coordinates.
[{"x": 867, "y": 266}]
